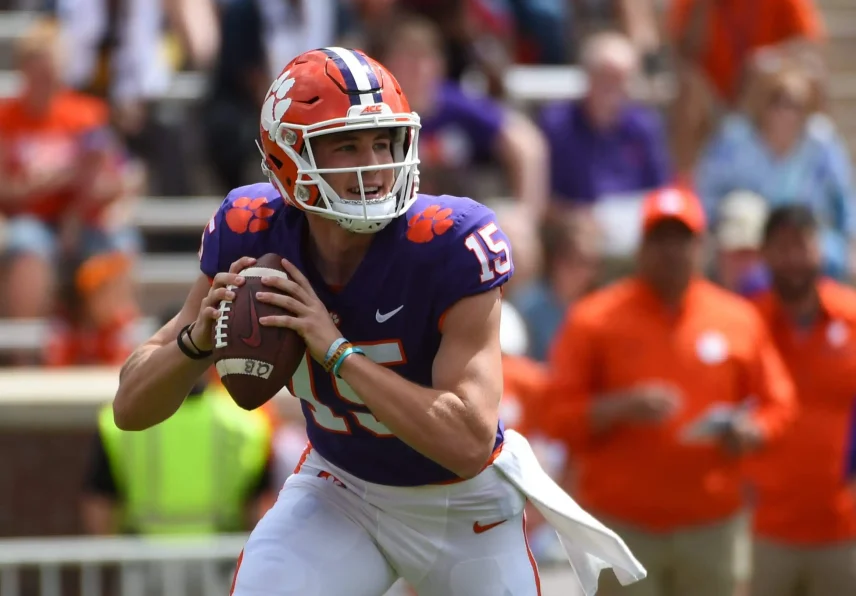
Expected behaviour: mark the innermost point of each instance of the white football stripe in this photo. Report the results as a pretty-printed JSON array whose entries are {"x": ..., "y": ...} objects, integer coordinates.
[
  {"x": 263, "y": 272},
  {"x": 361, "y": 78},
  {"x": 244, "y": 366}
]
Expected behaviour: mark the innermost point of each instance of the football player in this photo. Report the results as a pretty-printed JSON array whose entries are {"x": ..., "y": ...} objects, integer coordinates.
[{"x": 397, "y": 296}]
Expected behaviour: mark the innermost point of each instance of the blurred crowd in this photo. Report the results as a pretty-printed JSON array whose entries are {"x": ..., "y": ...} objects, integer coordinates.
[{"x": 709, "y": 113}]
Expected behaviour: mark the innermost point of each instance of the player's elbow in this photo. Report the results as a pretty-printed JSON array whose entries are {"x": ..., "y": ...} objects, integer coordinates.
[
  {"x": 476, "y": 456},
  {"x": 127, "y": 413},
  {"x": 123, "y": 417}
]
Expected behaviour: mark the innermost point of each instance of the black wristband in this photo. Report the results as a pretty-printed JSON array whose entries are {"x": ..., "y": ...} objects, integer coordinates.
[
  {"x": 198, "y": 354},
  {"x": 193, "y": 343}
]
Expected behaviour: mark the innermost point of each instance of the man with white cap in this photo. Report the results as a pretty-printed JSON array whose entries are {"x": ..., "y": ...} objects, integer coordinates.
[{"x": 738, "y": 236}]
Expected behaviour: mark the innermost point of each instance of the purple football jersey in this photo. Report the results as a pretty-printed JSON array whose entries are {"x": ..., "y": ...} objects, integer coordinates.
[{"x": 444, "y": 249}]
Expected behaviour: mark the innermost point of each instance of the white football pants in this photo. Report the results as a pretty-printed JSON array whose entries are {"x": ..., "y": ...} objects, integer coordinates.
[{"x": 330, "y": 534}]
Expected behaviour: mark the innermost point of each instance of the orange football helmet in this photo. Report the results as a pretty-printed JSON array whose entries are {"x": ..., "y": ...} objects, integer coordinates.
[{"x": 333, "y": 90}]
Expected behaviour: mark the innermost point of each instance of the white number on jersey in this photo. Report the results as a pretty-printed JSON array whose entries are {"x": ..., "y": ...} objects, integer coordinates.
[
  {"x": 499, "y": 249},
  {"x": 388, "y": 353}
]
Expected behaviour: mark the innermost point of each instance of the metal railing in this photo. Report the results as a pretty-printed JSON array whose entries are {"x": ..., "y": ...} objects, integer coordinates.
[
  {"x": 173, "y": 566},
  {"x": 151, "y": 566},
  {"x": 143, "y": 566}
]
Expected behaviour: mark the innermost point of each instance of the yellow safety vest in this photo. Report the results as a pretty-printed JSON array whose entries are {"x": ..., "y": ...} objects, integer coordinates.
[{"x": 190, "y": 474}]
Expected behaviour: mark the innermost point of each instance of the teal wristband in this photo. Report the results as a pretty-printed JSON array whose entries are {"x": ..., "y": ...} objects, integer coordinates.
[
  {"x": 341, "y": 360},
  {"x": 333, "y": 347}
]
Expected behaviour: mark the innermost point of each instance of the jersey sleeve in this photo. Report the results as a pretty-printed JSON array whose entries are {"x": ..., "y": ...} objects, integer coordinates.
[
  {"x": 477, "y": 258},
  {"x": 210, "y": 246},
  {"x": 239, "y": 228}
]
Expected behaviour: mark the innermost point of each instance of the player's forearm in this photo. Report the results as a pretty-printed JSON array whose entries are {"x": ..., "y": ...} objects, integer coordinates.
[
  {"x": 153, "y": 384},
  {"x": 437, "y": 424}
]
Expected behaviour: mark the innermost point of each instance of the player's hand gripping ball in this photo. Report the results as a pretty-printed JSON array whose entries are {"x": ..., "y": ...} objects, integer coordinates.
[
  {"x": 300, "y": 310},
  {"x": 255, "y": 361}
]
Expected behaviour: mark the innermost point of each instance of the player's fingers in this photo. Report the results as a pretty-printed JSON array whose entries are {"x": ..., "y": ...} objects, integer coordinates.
[
  {"x": 295, "y": 274},
  {"x": 288, "y": 303},
  {"x": 226, "y": 279},
  {"x": 288, "y": 286},
  {"x": 216, "y": 295},
  {"x": 281, "y": 321},
  {"x": 242, "y": 263}
]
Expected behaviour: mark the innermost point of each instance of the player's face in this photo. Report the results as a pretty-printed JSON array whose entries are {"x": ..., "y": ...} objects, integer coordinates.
[
  {"x": 353, "y": 149},
  {"x": 793, "y": 257}
]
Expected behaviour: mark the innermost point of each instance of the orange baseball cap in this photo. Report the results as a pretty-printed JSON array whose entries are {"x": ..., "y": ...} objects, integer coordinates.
[{"x": 675, "y": 203}]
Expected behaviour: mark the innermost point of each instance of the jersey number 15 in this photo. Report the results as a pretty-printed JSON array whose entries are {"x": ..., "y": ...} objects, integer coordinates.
[
  {"x": 482, "y": 242},
  {"x": 304, "y": 385}
]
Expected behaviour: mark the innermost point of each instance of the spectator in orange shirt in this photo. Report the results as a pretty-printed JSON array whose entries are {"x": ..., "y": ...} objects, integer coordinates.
[
  {"x": 805, "y": 515},
  {"x": 63, "y": 176},
  {"x": 651, "y": 383}
]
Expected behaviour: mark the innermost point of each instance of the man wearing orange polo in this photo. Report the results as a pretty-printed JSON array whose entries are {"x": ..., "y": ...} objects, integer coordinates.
[
  {"x": 805, "y": 514},
  {"x": 659, "y": 383}
]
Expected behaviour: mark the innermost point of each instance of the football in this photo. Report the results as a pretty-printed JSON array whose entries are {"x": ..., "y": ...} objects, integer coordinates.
[{"x": 254, "y": 361}]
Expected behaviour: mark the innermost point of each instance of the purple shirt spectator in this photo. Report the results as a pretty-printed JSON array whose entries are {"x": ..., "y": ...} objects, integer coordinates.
[
  {"x": 588, "y": 163},
  {"x": 461, "y": 129}
]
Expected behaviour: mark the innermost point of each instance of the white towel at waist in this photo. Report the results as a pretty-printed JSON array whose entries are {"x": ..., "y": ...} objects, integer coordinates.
[{"x": 589, "y": 544}]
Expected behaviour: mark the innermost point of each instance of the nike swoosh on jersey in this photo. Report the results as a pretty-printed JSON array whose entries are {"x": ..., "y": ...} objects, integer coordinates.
[
  {"x": 254, "y": 339},
  {"x": 480, "y": 529},
  {"x": 381, "y": 318}
]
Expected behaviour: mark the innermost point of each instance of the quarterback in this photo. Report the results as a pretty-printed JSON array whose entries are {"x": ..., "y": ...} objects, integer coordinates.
[{"x": 409, "y": 472}]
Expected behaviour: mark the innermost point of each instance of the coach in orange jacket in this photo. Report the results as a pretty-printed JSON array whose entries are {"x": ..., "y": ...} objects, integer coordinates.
[
  {"x": 805, "y": 511},
  {"x": 659, "y": 383}
]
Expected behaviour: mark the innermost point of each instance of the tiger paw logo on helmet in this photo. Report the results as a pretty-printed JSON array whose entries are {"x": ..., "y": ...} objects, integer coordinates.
[
  {"x": 248, "y": 215},
  {"x": 431, "y": 222},
  {"x": 277, "y": 104}
]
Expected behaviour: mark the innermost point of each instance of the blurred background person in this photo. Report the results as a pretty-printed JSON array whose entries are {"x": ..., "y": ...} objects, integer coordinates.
[
  {"x": 738, "y": 265},
  {"x": 257, "y": 38},
  {"x": 201, "y": 472},
  {"x": 605, "y": 143},
  {"x": 128, "y": 53},
  {"x": 96, "y": 321},
  {"x": 461, "y": 130},
  {"x": 639, "y": 20},
  {"x": 719, "y": 46},
  {"x": 476, "y": 36},
  {"x": 65, "y": 178},
  {"x": 524, "y": 234},
  {"x": 805, "y": 485},
  {"x": 570, "y": 243},
  {"x": 783, "y": 153},
  {"x": 651, "y": 383}
]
